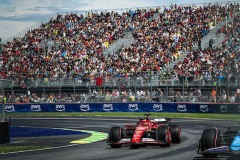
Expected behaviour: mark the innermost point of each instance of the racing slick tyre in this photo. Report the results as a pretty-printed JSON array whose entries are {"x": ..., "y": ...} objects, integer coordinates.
[
  {"x": 210, "y": 139},
  {"x": 164, "y": 135},
  {"x": 175, "y": 133},
  {"x": 115, "y": 135}
]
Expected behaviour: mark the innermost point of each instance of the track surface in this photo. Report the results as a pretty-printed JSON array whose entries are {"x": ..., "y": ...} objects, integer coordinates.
[{"x": 186, "y": 150}]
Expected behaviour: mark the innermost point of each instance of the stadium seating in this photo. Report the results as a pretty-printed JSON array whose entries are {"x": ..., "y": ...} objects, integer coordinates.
[{"x": 68, "y": 50}]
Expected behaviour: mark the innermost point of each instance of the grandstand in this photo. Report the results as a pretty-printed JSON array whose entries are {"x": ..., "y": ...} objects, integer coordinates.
[{"x": 171, "y": 53}]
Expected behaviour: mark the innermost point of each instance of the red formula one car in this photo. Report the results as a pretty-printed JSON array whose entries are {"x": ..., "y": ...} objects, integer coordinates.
[{"x": 146, "y": 132}]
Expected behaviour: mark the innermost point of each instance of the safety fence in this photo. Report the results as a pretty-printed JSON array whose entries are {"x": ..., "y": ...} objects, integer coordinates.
[
  {"x": 149, "y": 87},
  {"x": 127, "y": 107}
]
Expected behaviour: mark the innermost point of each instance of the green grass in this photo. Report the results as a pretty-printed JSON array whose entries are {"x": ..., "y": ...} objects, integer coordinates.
[
  {"x": 130, "y": 114},
  {"x": 7, "y": 149}
]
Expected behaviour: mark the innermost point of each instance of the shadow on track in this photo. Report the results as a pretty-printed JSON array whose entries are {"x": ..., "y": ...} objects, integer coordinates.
[{"x": 218, "y": 158}]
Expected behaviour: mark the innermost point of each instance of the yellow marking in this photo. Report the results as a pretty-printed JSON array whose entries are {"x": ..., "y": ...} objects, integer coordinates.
[{"x": 95, "y": 137}]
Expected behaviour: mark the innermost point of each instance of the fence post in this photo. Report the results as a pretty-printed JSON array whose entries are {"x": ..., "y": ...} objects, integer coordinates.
[
  {"x": 4, "y": 124},
  {"x": 4, "y": 132}
]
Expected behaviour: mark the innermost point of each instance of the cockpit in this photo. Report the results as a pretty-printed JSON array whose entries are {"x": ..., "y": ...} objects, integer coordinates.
[{"x": 144, "y": 123}]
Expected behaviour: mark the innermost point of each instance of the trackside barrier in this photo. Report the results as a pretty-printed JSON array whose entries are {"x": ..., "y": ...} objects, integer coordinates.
[
  {"x": 5, "y": 131},
  {"x": 127, "y": 107}
]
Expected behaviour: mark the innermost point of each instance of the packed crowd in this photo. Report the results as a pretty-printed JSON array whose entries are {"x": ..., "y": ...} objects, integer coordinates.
[
  {"x": 71, "y": 46},
  {"x": 126, "y": 95},
  {"x": 115, "y": 95},
  {"x": 221, "y": 63}
]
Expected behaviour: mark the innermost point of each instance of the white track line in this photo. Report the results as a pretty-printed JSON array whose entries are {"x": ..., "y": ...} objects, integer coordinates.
[{"x": 39, "y": 149}]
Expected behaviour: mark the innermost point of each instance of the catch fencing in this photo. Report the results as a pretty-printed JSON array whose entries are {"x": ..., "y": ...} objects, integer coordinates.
[{"x": 151, "y": 88}]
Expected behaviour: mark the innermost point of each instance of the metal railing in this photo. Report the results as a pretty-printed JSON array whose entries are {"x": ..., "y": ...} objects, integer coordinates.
[{"x": 122, "y": 89}]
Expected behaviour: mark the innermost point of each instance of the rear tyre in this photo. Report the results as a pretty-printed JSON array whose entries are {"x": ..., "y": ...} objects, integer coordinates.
[
  {"x": 163, "y": 134},
  {"x": 176, "y": 133},
  {"x": 210, "y": 139},
  {"x": 115, "y": 136}
]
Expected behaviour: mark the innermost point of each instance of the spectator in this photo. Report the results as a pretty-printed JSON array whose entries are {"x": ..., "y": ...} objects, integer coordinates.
[
  {"x": 199, "y": 44},
  {"x": 199, "y": 95},
  {"x": 210, "y": 43},
  {"x": 224, "y": 96},
  {"x": 213, "y": 96}
]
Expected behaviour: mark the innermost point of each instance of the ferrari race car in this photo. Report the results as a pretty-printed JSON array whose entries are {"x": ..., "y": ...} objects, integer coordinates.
[
  {"x": 146, "y": 132},
  {"x": 212, "y": 143}
]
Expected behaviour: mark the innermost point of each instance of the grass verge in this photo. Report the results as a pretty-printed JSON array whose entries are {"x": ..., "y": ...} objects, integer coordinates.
[
  {"x": 7, "y": 149},
  {"x": 129, "y": 114}
]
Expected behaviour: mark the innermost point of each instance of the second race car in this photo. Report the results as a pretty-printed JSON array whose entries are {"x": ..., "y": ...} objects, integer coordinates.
[{"x": 212, "y": 143}]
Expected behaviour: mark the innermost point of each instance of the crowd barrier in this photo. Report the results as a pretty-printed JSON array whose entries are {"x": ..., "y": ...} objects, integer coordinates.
[{"x": 127, "y": 107}]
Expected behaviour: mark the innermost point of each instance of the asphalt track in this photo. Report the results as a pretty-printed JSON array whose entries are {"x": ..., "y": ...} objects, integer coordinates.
[{"x": 64, "y": 150}]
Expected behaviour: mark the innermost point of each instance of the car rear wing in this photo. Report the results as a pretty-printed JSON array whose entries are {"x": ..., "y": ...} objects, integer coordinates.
[{"x": 162, "y": 120}]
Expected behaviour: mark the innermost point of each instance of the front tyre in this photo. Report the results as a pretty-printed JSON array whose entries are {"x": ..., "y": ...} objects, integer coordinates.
[
  {"x": 115, "y": 135},
  {"x": 176, "y": 133},
  {"x": 163, "y": 134},
  {"x": 210, "y": 139}
]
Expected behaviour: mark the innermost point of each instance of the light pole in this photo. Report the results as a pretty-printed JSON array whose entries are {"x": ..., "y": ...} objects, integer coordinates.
[{"x": 228, "y": 98}]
